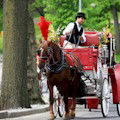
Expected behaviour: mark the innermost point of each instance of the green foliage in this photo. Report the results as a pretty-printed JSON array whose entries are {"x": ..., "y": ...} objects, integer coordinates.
[
  {"x": 106, "y": 5},
  {"x": 37, "y": 8},
  {"x": 61, "y": 12},
  {"x": 117, "y": 58},
  {"x": 95, "y": 20}
]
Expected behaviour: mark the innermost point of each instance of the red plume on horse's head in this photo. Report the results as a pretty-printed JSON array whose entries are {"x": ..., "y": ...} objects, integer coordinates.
[{"x": 44, "y": 25}]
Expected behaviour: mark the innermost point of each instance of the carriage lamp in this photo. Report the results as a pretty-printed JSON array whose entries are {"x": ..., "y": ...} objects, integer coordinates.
[{"x": 105, "y": 51}]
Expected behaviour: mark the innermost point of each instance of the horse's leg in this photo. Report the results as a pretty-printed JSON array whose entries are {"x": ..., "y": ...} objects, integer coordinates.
[
  {"x": 66, "y": 102},
  {"x": 73, "y": 101},
  {"x": 72, "y": 108},
  {"x": 51, "y": 100}
]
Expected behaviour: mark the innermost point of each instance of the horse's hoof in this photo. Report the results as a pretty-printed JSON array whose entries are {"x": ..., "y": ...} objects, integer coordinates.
[
  {"x": 51, "y": 116},
  {"x": 51, "y": 119},
  {"x": 72, "y": 114},
  {"x": 67, "y": 116}
]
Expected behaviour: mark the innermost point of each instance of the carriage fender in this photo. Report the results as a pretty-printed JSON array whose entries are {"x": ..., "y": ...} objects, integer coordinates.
[{"x": 115, "y": 82}]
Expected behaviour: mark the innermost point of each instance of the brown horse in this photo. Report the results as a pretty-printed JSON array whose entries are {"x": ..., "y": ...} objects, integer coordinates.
[{"x": 60, "y": 74}]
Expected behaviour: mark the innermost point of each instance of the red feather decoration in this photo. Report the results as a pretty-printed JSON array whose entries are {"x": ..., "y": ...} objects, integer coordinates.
[{"x": 44, "y": 25}]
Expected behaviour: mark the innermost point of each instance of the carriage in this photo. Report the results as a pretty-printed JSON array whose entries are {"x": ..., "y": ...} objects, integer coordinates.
[
  {"x": 67, "y": 70},
  {"x": 101, "y": 75}
]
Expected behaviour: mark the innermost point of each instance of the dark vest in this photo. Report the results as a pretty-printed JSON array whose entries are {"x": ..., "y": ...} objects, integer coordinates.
[{"x": 74, "y": 37}]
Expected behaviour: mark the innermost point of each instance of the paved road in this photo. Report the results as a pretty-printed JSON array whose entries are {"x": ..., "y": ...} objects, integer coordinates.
[{"x": 81, "y": 114}]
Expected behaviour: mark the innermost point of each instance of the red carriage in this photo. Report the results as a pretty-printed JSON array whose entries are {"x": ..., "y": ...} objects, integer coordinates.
[
  {"x": 92, "y": 64},
  {"x": 98, "y": 64}
]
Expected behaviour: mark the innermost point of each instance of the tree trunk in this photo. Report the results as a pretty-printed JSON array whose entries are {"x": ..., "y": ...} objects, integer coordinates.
[
  {"x": 14, "y": 78},
  {"x": 33, "y": 86},
  {"x": 116, "y": 27}
]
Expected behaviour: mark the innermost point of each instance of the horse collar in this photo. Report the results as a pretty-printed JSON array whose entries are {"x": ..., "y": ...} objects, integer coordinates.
[{"x": 56, "y": 68}]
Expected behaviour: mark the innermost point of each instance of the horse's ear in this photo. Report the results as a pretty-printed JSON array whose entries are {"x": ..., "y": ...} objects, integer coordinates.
[
  {"x": 45, "y": 43},
  {"x": 49, "y": 41},
  {"x": 41, "y": 44}
]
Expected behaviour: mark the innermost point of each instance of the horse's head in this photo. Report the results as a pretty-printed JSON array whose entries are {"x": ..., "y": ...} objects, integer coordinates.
[
  {"x": 48, "y": 51},
  {"x": 42, "y": 55}
]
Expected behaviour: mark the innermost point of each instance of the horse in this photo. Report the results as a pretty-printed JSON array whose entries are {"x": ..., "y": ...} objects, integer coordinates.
[{"x": 61, "y": 74}]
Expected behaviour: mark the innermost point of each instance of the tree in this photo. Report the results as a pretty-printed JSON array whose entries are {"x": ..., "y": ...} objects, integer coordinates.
[
  {"x": 1, "y": 15},
  {"x": 37, "y": 7},
  {"x": 116, "y": 28},
  {"x": 112, "y": 7},
  {"x": 61, "y": 12},
  {"x": 14, "y": 78},
  {"x": 32, "y": 77}
]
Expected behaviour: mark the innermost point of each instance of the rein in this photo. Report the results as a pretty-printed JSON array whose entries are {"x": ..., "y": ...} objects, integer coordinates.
[
  {"x": 53, "y": 57},
  {"x": 57, "y": 66}
]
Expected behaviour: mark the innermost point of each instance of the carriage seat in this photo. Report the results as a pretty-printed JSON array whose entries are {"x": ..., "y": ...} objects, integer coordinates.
[{"x": 92, "y": 39}]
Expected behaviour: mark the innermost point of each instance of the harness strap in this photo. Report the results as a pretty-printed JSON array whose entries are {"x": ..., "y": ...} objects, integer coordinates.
[
  {"x": 39, "y": 59},
  {"x": 56, "y": 68}
]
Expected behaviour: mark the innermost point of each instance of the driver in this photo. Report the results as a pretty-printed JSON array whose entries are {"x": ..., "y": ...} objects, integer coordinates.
[{"x": 74, "y": 32}]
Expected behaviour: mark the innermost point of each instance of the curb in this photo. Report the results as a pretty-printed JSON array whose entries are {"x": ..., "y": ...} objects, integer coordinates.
[
  {"x": 3, "y": 114},
  {"x": 13, "y": 114}
]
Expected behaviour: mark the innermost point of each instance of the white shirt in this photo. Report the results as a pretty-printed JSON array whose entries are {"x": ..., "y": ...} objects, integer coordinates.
[{"x": 70, "y": 27}]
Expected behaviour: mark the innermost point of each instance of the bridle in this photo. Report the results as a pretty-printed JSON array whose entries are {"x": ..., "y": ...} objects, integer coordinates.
[
  {"x": 42, "y": 58},
  {"x": 55, "y": 66}
]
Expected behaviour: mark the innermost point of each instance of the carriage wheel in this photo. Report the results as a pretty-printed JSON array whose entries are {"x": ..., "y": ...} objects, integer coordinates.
[
  {"x": 61, "y": 107},
  {"x": 55, "y": 108},
  {"x": 105, "y": 98},
  {"x": 118, "y": 109}
]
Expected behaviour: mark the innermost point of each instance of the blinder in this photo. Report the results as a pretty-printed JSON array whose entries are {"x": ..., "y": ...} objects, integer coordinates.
[{"x": 44, "y": 54}]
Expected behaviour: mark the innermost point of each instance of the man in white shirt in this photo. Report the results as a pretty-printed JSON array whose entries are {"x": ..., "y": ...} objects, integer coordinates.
[{"x": 74, "y": 32}]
